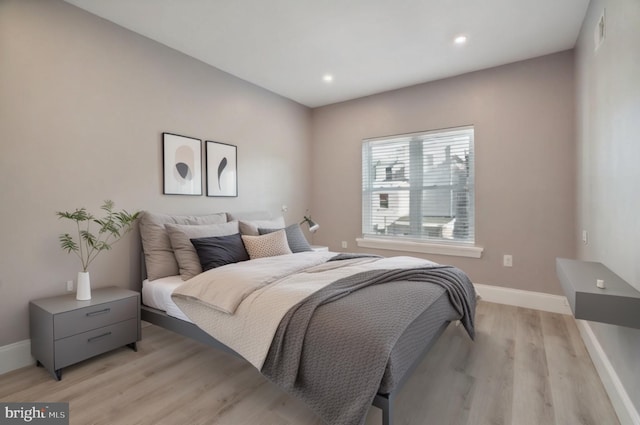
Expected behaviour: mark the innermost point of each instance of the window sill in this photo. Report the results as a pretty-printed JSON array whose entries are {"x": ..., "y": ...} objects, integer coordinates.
[{"x": 422, "y": 247}]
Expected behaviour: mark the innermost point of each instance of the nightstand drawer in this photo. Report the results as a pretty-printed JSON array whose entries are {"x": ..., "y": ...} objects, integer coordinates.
[
  {"x": 88, "y": 344},
  {"x": 93, "y": 317}
]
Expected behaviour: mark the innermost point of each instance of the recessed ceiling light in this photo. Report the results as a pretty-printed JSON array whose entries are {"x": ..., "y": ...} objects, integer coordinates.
[
  {"x": 327, "y": 78},
  {"x": 461, "y": 39}
]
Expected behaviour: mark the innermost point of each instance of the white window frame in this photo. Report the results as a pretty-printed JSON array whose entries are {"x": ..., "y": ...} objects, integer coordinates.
[{"x": 416, "y": 241}]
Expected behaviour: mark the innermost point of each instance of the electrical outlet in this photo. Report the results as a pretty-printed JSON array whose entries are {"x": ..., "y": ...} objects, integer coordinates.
[
  {"x": 69, "y": 285},
  {"x": 507, "y": 260},
  {"x": 344, "y": 244}
]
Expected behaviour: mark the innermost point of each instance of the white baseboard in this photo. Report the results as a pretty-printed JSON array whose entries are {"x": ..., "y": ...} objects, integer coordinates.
[
  {"x": 16, "y": 355},
  {"x": 622, "y": 404},
  {"x": 520, "y": 298}
]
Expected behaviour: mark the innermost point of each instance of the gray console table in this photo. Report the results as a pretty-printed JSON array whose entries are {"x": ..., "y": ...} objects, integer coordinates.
[
  {"x": 618, "y": 303},
  {"x": 65, "y": 331}
]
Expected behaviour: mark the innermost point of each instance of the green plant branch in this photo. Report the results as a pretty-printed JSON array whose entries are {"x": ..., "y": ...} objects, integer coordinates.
[
  {"x": 84, "y": 265},
  {"x": 80, "y": 254},
  {"x": 112, "y": 228},
  {"x": 108, "y": 246}
]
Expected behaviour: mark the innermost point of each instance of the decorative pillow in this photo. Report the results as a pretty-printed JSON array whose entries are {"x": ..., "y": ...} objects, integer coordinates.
[
  {"x": 217, "y": 251},
  {"x": 159, "y": 258},
  {"x": 268, "y": 245},
  {"x": 295, "y": 237},
  {"x": 251, "y": 227},
  {"x": 186, "y": 255}
]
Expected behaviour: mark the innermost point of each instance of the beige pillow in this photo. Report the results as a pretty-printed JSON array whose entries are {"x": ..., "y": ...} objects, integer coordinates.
[
  {"x": 250, "y": 227},
  {"x": 268, "y": 245},
  {"x": 186, "y": 254},
  {"x": 158, "y": 254}
]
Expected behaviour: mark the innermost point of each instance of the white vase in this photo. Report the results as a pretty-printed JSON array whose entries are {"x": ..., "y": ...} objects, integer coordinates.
[{"x": 83, "y": 290}]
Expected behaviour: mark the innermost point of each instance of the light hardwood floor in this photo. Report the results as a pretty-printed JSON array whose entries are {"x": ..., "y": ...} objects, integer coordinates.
[{"x": 525, "y": 367}]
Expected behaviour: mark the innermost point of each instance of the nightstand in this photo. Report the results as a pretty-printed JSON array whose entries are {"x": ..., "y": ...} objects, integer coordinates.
[
  {"x": 319, "y": 248},
  {"x": 65, "y": 331}
]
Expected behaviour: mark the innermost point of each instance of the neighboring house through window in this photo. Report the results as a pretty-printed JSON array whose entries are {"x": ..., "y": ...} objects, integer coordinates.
[{"x": 419, "y": 187}]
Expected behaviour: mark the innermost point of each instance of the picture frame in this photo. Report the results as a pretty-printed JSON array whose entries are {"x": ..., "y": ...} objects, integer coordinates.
[
  {"x": 222, "y": 169},
  {"x": 182, "y": 165}
]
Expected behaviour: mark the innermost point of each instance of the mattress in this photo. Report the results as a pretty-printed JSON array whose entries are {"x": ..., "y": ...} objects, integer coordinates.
[{"x": 157, "y": 294}]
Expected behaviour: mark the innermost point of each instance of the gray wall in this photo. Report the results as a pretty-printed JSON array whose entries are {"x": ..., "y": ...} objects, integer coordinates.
[
  {"x": 83, "y": 104},
  {"x": 608, "y": 129},
  {"x": 523, "y": 115}
]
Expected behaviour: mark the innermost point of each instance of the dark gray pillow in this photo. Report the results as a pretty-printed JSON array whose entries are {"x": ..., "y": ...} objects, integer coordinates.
[
  {"x": 295, "y": 238},
  {"x": 216, "y": 251}
]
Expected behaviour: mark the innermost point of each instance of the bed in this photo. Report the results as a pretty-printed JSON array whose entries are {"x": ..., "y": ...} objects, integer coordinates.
[{"x": 301, "y": 359}]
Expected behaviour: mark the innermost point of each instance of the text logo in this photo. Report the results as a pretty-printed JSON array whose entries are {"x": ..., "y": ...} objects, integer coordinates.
[{"x": 34, "y": 413}]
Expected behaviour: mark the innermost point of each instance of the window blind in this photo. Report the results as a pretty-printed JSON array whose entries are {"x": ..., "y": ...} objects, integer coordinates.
[{"x": 420, "y": 186}]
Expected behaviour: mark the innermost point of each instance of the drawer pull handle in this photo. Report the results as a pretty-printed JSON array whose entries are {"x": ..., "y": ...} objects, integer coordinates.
[
  {"x": 95, "y": 313},
  {"x": 95, "y": 338}
]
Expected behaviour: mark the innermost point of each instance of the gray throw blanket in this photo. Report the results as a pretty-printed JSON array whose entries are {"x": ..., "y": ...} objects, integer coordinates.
[{"x": 348, "y": 340}]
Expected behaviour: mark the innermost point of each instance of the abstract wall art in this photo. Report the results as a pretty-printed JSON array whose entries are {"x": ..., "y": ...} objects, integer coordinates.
[
  {"x": 182, "y": 159},
  {"x": 222, "y": 169}
]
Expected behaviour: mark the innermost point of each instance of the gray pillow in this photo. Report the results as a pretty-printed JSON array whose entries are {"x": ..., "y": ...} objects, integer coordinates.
[
  {"x": 217, "y": 251},
  {"x": 186, "y": 255},
  {"x": 295, "y": 238},
  {"x": 158, "y": 254}
]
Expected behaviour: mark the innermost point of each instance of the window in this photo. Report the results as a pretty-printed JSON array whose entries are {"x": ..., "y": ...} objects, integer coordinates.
[{"x": 419, "y": 187}]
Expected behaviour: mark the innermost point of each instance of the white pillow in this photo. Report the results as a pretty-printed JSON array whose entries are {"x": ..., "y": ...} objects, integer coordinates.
[
  {"x": 250, "y": 227},
  {"x": 268, "y": 245}
]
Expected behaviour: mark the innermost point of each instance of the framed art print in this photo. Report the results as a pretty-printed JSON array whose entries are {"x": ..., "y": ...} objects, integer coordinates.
[
  {"x": 222, "y": 169},
  {"x": 182, "y": 162}
]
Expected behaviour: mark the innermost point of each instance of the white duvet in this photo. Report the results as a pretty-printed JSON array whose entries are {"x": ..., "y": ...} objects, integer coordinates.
[{"x": 242, "y": 304}]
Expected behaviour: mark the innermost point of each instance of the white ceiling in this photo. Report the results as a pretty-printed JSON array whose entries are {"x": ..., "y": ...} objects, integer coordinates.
[{"x": 369, "y": 46}]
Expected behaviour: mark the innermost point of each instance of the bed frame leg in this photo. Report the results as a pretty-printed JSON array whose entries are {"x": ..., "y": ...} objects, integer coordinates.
[
  {"x": 385, "y": 403},
  {"x": 387, "y": 415}
]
